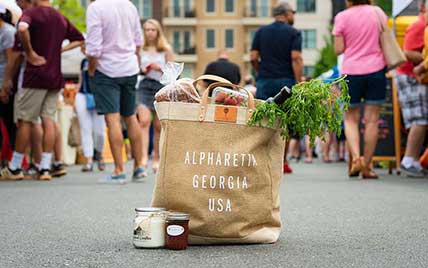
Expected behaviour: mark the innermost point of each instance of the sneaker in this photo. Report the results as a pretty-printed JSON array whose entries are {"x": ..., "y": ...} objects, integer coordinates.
[
  {"x": 31, "y": 173},
  {"x": 114, "y": 179},
  {"x": 139, "y": 175},
  {"x": 8, "y": 174},
  {"x": 287, "y": 169},
  {"x": 58, "y": 170},
  {"x": 89, "y": 167},
  {"x": 45, "y": 175},
  {"x": 412, "y": 172}
]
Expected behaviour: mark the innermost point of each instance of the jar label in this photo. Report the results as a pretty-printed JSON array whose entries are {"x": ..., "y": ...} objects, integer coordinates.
[{"x": 175, "y": 230}]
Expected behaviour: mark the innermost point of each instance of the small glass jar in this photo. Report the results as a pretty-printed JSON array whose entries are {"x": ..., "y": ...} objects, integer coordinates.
[
  {"x": 177, "y": 230},
  {"x": 149, "y": 227}
]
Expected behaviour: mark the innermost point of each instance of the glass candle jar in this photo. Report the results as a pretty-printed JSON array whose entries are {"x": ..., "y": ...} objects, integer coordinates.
[
  {"x": 149, "y": 228},
  {"x": 177, "y": 230}
]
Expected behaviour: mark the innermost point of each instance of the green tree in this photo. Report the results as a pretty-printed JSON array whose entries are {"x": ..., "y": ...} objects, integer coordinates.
[
  {"x": 73, "y": 11},
  {"x": 386, "y": 5},
  {"x": 327, "y": 58}
]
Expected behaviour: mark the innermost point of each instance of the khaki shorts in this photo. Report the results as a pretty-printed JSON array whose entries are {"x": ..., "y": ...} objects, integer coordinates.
[{"x": 31, "y": 104}]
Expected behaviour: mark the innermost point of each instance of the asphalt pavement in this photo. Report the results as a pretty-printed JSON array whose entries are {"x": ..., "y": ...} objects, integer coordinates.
[{"x": 329, "y": 221}]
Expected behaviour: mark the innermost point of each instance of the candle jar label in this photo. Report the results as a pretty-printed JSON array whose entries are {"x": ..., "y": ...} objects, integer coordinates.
[{"x": 175, "y": 230}]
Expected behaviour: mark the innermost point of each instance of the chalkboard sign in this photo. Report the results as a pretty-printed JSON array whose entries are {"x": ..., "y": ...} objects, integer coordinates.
[{"x": 389, "y": 137}]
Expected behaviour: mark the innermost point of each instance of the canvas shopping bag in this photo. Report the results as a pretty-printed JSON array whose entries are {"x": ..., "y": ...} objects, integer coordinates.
[
  {"x": 392, "y": 52},
  {"x": 224, "y": 174},
  {"x": 74, "y": 138}
]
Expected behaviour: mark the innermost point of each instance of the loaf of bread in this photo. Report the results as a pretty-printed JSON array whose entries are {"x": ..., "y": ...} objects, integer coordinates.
[{"x": 181, "y": 90}]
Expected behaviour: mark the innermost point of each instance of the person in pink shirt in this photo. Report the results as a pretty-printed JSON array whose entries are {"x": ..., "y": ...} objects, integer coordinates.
[
  {"x": 356, "y": 35},
  {"x": 113, "y": 42}
]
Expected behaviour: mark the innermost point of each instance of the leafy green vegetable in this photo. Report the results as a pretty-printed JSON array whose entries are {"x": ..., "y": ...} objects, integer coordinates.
[{"x": 313, "y": 108}]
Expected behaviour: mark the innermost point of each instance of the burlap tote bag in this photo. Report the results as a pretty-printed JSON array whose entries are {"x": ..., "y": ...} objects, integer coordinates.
[{"x": 224, "y": 174}]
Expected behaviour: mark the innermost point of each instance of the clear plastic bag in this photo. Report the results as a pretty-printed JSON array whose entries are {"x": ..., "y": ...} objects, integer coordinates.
[
  {"x": 226, "y": 96},
  {"x": 181, "y": 90}
]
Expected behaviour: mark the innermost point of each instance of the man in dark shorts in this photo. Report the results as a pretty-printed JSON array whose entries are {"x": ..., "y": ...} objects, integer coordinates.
[
  {"x": 276, "y": 55},
  {"x": 112, "y": 45},
  {"x": 42, "y": 30}
]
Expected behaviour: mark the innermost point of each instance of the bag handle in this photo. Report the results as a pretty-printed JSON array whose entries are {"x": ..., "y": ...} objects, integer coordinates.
[
  {"x": 204, "y": 99},
  {"x": 210, "y": 77},
  {"x": 379, "y": 20}
]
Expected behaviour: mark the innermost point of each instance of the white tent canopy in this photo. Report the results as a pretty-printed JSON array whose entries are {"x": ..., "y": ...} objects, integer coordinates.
[{"x": 398, "y": 6}]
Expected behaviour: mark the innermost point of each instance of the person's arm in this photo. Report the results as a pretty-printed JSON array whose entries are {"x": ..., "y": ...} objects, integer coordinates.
[
  {"x": 7, "y": 81},
  {"x": 138, "y": 54},
  {"x": 12, "y": 62},
  {"x": 94, "y": 39},
  {"x": 138, "y": 36},
  {"x": 255, "y": 59},
  {"x": 339, "y": 45},
  {"x": 12, "y": 67},
  {"x": 297, "y": 63},
  {"x": 169, "y": 55},
  {"x": 255, "y": 52},
  {"x": 72, "y": 45},
  {"x": 32, "y": 57},
  {"x": 339, "y": 33},
  {"x": 414, "y": 57},
  {"x": 423, "y": 66},
  {"x": 296, "y": 56}
]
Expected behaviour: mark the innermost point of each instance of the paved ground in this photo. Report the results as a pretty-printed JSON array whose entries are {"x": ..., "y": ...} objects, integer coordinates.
[{"x": 329, "y": 221}]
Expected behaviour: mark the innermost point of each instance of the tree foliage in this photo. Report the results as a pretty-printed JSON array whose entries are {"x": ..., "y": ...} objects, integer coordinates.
[
  {"x": 386, "y": 5},
  {"x": 327, "y": 58},
  {"x": 73, "y": 11}
]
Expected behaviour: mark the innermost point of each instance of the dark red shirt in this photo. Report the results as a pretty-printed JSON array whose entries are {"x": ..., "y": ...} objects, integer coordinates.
[
  {"x": 413, "y": 41},
  {"x": 48, "y": 29}
]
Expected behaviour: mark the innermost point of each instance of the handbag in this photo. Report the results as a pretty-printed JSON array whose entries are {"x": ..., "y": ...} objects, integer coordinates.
[
  {"x": 90, "y": 101},
  {"x": 74, "y": 138},
  {"x": 392, "y": 52}
]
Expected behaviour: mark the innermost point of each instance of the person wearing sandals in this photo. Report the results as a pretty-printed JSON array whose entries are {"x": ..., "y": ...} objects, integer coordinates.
[
  {"x": 92, "y": 125},
  {"x": 365, "y": 66},
  {"x": 155, "y": 53}
]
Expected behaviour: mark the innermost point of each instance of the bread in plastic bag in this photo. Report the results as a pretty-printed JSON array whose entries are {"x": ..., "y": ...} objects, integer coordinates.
[{"x": 181, "y": 90}]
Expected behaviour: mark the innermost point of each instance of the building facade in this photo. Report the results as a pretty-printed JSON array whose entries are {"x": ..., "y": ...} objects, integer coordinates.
[{"x": 198, "y": 29}]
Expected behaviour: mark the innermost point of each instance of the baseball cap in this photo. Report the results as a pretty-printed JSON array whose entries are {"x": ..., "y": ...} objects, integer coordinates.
[{"x": 281, "y": 8}]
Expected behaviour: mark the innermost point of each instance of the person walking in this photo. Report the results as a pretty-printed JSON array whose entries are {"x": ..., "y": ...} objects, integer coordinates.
[
  {"x": 156, "y": 52},
  {"x": 223, "y": 67},
  {"x": 7, "y": 36},
  {"x": 276, "y": 55},
  {"x": 413, "y": 96},
  {"x": 365, "y": 66},
  {"x": 42, "y": 30},
  {"x": 92, "y": 125},
  {"x": 112, "y": 47}
]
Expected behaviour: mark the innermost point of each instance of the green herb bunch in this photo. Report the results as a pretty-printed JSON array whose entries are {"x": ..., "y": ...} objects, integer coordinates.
[{"x": 313, "y": 108}]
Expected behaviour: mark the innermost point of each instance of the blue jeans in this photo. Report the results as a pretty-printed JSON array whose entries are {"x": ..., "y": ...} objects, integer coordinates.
[{"x": 269, "y": 87}]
